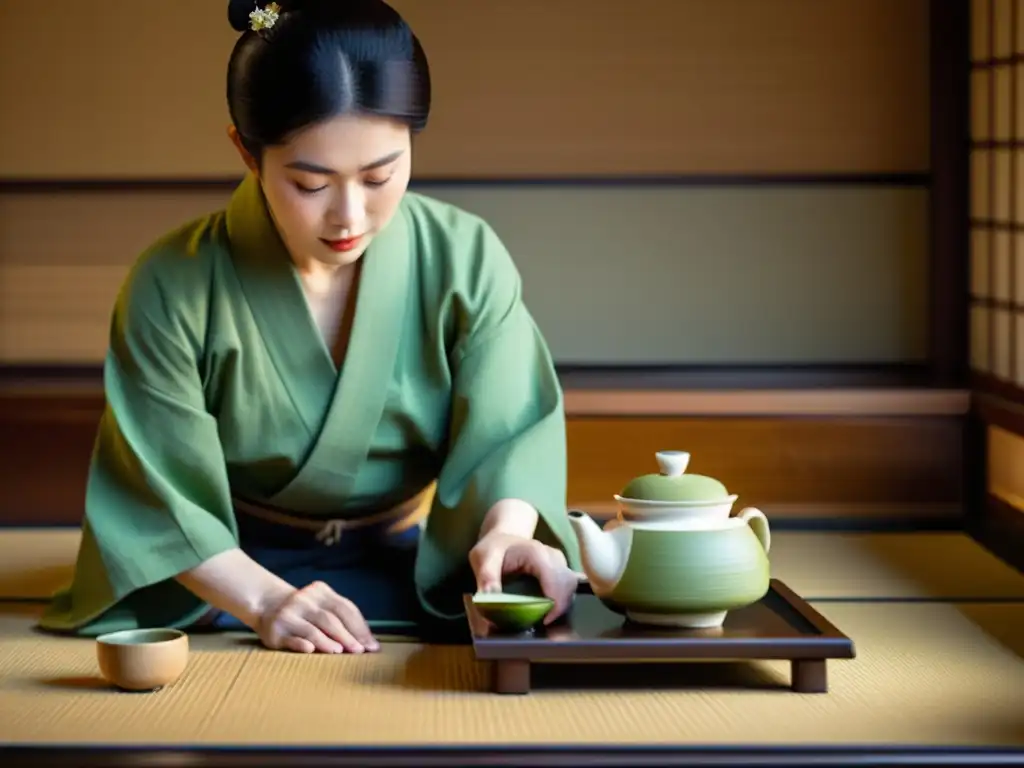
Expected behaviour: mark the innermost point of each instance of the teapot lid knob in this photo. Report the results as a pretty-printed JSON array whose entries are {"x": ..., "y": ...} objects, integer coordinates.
[{"x": 672, "y": 463}]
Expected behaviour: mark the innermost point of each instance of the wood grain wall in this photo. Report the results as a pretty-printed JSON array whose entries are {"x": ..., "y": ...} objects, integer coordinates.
[
  {"x": 834, "y": 93},
  {"x": 710, "y": 276},
  {"x": 1006, "y": 466},
  {"x": 678, "y": 273},
  {"x": 525, "y": 88},
  {"x": 857, "y": 458}
]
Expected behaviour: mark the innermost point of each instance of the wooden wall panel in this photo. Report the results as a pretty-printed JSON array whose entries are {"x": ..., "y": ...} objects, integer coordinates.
[
  {"x": 1005, "y": 452},
  {"x": 525, "y": 88},
  {"x": 995, "y": 511},
  {"x": 713, "y": 276},
  {"x": 793, "y": 467},
  {"x": 867, "y": 468},
  {"x": 63, "y": 257}
]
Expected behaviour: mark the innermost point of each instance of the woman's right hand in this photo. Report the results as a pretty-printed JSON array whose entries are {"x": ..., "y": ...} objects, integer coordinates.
[{"x": 315, "y": 619}]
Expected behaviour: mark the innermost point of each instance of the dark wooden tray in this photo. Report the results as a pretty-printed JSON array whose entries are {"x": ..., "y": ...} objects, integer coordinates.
[{"x": 782, "y": 625}]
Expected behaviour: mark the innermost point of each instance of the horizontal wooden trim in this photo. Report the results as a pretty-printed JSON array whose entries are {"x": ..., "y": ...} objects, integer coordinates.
[
  {"x": 1000, "y": 304},
  {"x": 800, "y": 403},
  {"x": 998, "y": 397},
  {"x": 628, "y": 392},
  {"x": 996, "y": 61},
  {"x": 842, "y": 179},
  {"x": 582, "y": 375},
  {"x": 997, "y": 225},
  {"x": 736, "y": 376},
  {"x": 999, "y": 412},
  {"x": 24, "y": 403},
  {"x": 997, "y": 144}
]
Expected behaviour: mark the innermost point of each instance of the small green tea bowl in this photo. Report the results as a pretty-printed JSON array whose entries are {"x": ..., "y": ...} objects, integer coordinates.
[{"x": 512, "y": 613}]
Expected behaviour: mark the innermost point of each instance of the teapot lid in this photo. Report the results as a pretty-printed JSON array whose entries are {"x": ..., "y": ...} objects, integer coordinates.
[{"x": 673, "y": 484}]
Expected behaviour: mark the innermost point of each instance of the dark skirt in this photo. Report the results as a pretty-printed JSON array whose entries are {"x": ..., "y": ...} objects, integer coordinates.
[{"x": 370, "y": 566}]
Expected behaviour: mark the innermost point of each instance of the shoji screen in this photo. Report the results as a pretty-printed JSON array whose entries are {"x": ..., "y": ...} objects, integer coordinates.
[
  {"x": 997, "y": 195},
  {"x": 997, "y": 228}
]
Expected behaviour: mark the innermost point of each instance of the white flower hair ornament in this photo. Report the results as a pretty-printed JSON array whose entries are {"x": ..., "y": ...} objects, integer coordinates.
[{"x": 264, "y": 18}]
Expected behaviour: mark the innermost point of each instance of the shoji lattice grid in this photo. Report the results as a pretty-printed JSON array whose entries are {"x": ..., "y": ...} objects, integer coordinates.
[{"x": 997, "y": 193}]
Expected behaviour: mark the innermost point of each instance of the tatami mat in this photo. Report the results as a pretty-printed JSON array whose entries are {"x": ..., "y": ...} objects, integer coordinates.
[
  {"x": 939, "y": 566},
  {"x": 934, "y": 674},
  {"x": 942, "y": 566}
]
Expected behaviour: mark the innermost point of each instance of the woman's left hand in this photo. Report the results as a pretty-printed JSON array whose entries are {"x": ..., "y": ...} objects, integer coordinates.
[{"x": 499, "y": 554}]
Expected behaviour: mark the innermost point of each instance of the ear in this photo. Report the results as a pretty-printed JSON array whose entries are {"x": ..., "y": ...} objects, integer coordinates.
[{"x": 247, "y": 158}]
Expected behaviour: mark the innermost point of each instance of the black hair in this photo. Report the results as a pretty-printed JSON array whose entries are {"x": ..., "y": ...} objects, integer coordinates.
[{"x": 320, "y": 59}]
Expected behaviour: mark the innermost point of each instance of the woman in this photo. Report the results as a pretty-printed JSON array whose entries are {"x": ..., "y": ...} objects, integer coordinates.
[{"x": 289, "y": 380}]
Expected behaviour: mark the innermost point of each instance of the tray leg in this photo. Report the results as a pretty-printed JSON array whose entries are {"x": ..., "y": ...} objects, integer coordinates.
[
  {"x": 512, "y": 676},
  {"x": 809, "y": 676}
]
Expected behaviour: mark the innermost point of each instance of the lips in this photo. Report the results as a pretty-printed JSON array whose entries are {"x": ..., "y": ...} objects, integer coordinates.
[{"x": 342, "y": 245}]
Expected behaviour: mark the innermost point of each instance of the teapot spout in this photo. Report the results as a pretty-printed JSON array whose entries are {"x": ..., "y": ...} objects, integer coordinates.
[{"x": 602, "y": 552}]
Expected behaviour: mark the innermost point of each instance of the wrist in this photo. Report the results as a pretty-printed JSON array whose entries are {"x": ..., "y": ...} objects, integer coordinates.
[
  {"x": 512, "y": 517},
  {"x": 266, "y": 602}
]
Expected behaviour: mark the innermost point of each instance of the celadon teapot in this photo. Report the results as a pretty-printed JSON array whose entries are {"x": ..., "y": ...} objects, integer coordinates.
[{"x": 676, "y": 555}]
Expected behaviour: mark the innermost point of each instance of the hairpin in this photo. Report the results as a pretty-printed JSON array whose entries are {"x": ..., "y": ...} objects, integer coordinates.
[{"x": 264, "y": 18}]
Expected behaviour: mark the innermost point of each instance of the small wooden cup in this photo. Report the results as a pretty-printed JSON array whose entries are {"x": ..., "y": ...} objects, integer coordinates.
[{"x": 142, "y": 659}]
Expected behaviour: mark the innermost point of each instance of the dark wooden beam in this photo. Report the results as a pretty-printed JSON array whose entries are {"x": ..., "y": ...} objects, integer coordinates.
[
  {"x": 950, "y": 67},
  {"x": 824, "y": 179}
]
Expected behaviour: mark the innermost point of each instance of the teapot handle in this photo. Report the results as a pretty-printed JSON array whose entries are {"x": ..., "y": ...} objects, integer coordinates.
[{"x": 757, "y": 521}]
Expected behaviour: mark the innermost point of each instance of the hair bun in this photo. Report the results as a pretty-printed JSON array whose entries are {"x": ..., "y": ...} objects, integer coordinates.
[{"x": 238, "y": 13}]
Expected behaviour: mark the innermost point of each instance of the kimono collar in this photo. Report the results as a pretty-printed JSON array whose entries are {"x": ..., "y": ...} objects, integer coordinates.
[{"x": 340, "y": 408}]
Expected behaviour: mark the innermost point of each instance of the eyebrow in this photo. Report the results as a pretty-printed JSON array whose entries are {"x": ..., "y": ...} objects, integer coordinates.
[{"x": 302, "y": 165}]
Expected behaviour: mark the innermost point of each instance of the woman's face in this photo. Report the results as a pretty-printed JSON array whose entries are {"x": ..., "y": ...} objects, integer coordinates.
[{"x": 335, "y": 185}]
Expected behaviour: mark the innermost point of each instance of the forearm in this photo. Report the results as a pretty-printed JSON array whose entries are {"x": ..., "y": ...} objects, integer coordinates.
[
  {"x": 511, "y": 516},
  {"x": 235, "y": 583}
]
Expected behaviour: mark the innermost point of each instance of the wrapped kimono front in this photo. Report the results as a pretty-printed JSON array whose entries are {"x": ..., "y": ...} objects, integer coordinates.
[{"x": 225, "y": 410}]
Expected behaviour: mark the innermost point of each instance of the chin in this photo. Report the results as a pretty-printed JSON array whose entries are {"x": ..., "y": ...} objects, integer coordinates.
[{"x": 343, "y": 259}]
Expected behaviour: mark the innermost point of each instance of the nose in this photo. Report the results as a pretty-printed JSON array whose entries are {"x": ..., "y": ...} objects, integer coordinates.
[{"x": 348, "y": 210}]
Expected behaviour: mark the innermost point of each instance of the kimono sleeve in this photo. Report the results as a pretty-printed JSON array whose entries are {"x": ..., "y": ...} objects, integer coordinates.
[
  {"x": 507, "y": 426},
  {"x": 157, "y": 501}
]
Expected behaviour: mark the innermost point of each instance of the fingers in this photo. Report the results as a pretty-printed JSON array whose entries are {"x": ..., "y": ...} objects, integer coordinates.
[
  {"x": 556, "y": 586},
  {"x": 550, "y": 568},
  {"x": 492, "y": 558},
  {"x": 297, "y": 644},
  {"x": 332, "y": 626},
  {"x": 487, "y": 564},
  {"x": 348, "y": 614},
  {"x": 318, "y": 619},
  {"x": 307, "y": 635}
]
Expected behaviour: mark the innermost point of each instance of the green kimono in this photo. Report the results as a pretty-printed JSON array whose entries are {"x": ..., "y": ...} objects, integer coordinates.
[{"x": 219, "y": 385}]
